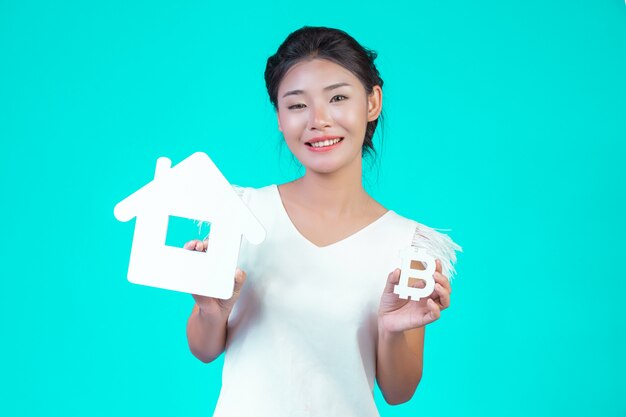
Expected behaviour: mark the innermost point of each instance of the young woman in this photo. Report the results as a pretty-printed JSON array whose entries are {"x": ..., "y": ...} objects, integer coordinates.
[{"x": 317, "y": 321}]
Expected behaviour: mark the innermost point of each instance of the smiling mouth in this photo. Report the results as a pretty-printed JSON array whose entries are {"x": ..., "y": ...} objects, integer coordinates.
[{"x": 324, "y": 143}]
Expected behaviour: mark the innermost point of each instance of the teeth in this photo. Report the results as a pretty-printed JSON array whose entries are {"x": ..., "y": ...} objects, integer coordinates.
[{"x": 325, "y": 143}]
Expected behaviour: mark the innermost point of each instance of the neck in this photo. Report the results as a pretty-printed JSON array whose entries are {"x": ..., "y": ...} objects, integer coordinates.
[{"x": 336, "y": 193}]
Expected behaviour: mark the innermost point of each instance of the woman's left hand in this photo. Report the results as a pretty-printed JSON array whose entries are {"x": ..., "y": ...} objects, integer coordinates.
[{"x": 396, "y": 314}]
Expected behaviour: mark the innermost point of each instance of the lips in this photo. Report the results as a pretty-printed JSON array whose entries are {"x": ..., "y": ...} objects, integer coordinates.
[
  {"x": 329, "y": 139},
  {"x": 325, "y": 146}
]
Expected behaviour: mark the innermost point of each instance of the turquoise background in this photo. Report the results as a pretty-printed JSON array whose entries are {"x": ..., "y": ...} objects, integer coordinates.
[{"x": 505, "y": 122}]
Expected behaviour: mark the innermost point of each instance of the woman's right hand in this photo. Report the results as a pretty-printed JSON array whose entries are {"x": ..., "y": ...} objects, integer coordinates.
[{"x": 210, "y": 305}]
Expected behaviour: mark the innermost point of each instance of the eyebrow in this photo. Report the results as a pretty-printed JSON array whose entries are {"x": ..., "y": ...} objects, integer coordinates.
[{"x": 330, "y": 87}]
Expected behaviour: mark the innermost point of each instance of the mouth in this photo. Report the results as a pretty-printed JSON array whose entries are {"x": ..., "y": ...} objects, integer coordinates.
[{"x": 321, "y": 144}]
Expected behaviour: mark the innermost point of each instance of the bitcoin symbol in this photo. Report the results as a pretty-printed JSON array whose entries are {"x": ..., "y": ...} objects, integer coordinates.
[{"x": 410, "y": 258}]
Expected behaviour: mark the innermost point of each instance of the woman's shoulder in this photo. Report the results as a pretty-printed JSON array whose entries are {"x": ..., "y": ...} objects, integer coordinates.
[
  {"x": 245, "y": 191},
  {"x": 438, "y": 244}
]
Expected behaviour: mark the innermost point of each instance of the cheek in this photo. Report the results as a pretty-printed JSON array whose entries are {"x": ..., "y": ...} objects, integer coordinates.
[
  {"x": 290, "y": 125},
  {"x": 353, "y": 117}
]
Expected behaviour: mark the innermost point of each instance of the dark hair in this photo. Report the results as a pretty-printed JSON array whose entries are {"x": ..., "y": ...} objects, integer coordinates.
[{"x": 325, "y": 43}]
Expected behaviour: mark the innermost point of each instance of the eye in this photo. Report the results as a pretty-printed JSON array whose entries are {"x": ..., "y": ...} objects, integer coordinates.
[
  {"x": 338, "y": 97},
  {"x": 296, "y": 106}
]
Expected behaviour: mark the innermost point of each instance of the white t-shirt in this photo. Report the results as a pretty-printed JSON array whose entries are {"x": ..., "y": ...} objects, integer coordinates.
[{"x": 302, "y": 336}]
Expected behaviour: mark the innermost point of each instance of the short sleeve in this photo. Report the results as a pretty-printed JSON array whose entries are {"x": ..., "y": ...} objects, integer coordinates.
[
  {"x": 239, "y": 190},
  {"x": 439, "y": 245},
  {"x": 242, "y": 192}
]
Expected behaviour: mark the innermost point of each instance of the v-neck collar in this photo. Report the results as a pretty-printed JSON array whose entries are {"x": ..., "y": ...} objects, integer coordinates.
[{"x": 283, "y": 211}]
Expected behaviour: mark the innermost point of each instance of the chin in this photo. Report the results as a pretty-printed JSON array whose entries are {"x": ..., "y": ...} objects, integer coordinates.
[
  {"x": 326, "y": 164},
  {"x": 321, "y": 171},
  {"x": 325, "y": 168}
]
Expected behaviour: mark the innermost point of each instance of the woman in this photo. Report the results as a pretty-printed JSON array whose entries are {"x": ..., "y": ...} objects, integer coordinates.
[{"x": 317, "y": 319}]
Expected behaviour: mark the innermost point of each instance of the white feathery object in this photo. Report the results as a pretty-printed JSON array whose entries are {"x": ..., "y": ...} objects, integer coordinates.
[{"x": 439, "y": 245}]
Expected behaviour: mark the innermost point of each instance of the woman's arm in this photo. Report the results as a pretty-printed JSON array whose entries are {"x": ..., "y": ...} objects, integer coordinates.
[
  {"x": 400, "y": 348},
  {"x": 206, "y": 334},
  {"x": 399, "y": 363},
  {"x": 206, "y": 326}
]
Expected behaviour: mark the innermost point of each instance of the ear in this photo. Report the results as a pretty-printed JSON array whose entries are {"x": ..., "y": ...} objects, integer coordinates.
[
  {"x": 280, "y": 129},
  {"x": 374, "y": 103}
]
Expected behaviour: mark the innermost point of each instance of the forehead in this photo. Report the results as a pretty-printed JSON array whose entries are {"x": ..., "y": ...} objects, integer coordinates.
[{"x": 315, "y": 74}]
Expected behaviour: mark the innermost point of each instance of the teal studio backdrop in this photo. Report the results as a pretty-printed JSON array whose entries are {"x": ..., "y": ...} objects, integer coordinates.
[{"x": 505, "y": 123}]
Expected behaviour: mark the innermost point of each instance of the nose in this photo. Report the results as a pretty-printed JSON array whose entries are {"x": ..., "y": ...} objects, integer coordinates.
[{"x": 319, "y": 118}]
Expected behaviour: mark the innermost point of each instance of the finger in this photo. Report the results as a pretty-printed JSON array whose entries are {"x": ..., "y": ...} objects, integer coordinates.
[
  {"x": 190, "y": 245},
  {"x": 443, "y": 296},
  {"x": 392, "y": 279},
  {"x": 199, "y": 246},
  {"x": 433, "y": 311},
  {"x": 240, "y": 278},
  {"x": 434, "y": 295},
  {"x": 443, "y": 280},
  {"x": 438, "y": 266}
]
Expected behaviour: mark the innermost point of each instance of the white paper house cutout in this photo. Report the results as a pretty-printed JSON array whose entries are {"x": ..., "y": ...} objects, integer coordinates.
[{"x": 194, "y": 189}]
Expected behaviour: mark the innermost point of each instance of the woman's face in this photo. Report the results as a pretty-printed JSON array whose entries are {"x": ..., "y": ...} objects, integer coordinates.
[{"x": 323, "y": 110}]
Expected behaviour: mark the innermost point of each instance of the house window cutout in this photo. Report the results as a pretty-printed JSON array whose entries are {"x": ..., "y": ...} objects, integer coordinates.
[
  {"x": 181, "y": 230},
  {"x": 193, "y": 189}
]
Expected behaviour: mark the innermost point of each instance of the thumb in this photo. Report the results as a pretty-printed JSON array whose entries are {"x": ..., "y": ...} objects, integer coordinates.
[
  {"x": 392, "y": 280},
  {"x": 240, "y": 278}
]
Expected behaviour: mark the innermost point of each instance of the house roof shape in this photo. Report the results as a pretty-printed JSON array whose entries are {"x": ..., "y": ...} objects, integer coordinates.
[{"x": 195, "y": 189}]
